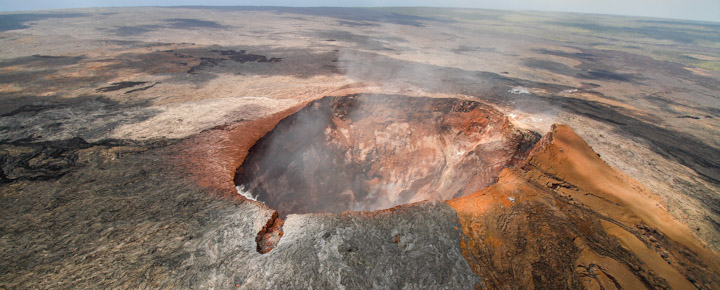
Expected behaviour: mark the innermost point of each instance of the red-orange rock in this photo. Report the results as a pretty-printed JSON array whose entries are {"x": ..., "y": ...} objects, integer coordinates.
[{"x": 565, "y": 218}]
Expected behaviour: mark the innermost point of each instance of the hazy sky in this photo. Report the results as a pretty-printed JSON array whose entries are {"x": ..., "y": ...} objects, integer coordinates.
[{"x": 708, "y": 10}]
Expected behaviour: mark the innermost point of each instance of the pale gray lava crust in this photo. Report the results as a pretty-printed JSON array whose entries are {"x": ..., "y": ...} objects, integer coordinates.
[{"x": 167, "y": 232}]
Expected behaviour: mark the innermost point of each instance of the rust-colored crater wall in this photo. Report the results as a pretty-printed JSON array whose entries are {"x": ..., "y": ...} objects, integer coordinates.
[
  {"x": 368, "y": 152},
  {"x": 211, "y": 157},
  {"x": 566, "y": 219}
]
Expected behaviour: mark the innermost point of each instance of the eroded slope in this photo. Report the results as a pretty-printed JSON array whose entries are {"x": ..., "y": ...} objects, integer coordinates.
[{"x": 567, "y": 219}]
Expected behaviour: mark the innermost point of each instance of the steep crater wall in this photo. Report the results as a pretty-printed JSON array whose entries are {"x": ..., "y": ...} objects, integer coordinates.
[{"x": 369, "y": 152}]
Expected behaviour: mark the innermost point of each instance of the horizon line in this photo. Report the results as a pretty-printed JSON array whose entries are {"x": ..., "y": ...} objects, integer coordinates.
[{"x": 9, "y": 11}]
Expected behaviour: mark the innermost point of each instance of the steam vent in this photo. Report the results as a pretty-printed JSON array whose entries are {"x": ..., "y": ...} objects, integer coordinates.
[{"x": 370, "y": 152}]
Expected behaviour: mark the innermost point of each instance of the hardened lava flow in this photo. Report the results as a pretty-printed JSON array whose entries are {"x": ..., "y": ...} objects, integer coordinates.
[
  {"x": 370, "y": 152},
  {"x": 531, "y": 212}
]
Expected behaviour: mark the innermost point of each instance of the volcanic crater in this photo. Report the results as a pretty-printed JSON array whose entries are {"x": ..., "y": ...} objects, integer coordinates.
[{"x": 369, "y": 152}]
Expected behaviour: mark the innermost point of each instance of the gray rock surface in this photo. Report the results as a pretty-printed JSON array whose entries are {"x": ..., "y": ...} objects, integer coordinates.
[
  {"x": 411, "y": 248},
  {"x": 126, "y": 218}
]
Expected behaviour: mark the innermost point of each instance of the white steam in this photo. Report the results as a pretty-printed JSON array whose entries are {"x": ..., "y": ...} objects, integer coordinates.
[
  {"x": 247, "y": 194},
  {"x": 519, "y": 91}
]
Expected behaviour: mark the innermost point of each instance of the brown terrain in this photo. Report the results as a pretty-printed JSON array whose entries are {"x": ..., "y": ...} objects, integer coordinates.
[
  {"x": 271, "y": 147},
  {"x": 613, "y": 233}
]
